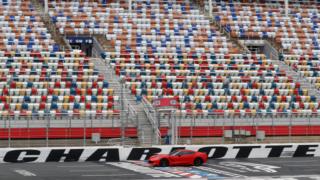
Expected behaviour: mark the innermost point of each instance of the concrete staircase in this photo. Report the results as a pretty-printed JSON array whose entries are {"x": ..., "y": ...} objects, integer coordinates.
[
  {"x": 64, "y": 45},
  {"x": 213, "y": 22},
  {"x": 141, "y": 121},
  {"x": 234, "y": 41},
  {"x": 297, "y": 78},
  {"x": 290, "y": 72},
  {"x": 105, "y": 44}
]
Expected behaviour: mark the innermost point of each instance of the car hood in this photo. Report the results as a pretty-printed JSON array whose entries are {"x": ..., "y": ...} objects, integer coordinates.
[{"x": 158, "y": 156}]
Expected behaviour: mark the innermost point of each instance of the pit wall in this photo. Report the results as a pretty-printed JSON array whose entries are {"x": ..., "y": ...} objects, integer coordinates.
[{"x": 119, "y": 153}]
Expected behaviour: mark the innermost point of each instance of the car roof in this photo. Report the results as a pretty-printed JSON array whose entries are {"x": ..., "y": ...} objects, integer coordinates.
[{"x": 185, "y": 150}]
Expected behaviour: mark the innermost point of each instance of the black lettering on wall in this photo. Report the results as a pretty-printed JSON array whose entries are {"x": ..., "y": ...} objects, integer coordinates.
[
  {"x": 13, "y": 156},
  {"x": 110, "y": 155},
  {"x": 244, "y": 151},
  {"x": 55, "y": 155},
  {"x": 219, "y": 152},
  {"x": 276, "y": 150},
  {"x": 137, "y": 153},
  {"x": 302, "y": 150}
]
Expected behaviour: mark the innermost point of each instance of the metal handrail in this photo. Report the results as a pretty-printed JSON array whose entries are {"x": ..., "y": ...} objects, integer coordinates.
[
  {"x": 151, "y": 115},
  {"x": 155, "y": 126}
]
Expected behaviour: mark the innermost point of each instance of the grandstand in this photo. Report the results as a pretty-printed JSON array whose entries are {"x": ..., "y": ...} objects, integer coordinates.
[{"x": 242, "y": 66}]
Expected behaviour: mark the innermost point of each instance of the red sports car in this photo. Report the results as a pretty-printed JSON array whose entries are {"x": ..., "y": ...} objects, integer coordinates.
[{"x": 178, "y": 158}]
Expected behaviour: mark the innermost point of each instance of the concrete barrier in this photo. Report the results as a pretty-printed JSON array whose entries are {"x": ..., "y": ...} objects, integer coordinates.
[{"x": 119, "y": 153}]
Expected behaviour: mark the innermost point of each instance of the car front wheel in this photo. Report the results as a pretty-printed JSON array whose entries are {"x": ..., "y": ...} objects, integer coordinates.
[
  {"x": 164, "y": 163},
  {"x": 198, "y": 162}
]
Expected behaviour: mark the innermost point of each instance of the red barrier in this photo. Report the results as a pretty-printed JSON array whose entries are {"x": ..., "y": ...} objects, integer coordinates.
[
  {"x": 200, "y": 131},
  {"x": 63, "y": 133}
]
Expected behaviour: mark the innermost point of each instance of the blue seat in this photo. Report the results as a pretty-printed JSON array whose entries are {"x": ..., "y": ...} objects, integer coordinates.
[
  {"x": 76, "y": 106},
  {"x": 54, "y": 106},
  {"x": 24, "y": 106},
  {"x": 94, "y": 98},
  {"x": 105, "y": 84},
  {"x": 27, "y": 99}
]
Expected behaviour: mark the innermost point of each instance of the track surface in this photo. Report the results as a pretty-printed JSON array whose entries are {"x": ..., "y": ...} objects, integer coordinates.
[{"x": 289, "y": 169}]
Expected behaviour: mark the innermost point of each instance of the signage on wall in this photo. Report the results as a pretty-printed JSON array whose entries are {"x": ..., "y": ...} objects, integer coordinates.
[
  {"x": 116, "y": 153},
  {"x": 80, "y": 40},
  {"x": 165, "y": 102}
]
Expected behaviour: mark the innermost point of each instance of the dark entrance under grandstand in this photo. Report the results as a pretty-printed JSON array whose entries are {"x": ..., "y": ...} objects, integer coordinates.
[{"x": 84, "y": 44}]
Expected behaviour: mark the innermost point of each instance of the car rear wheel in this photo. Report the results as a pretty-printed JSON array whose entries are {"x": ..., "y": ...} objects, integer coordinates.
[
  {"x": 164, "y": 163},
  {"x": 198, "y": 162}
]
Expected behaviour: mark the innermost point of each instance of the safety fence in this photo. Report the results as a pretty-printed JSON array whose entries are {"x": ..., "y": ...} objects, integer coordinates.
[{"x": 190, "y": 129}]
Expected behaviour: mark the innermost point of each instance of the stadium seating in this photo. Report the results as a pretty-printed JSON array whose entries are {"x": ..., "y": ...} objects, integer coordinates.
[
  {"x": 37, "y": 79},
  {"x": 168, "y": 49},
  {"x": 22, "y": 28},
  {"x": 297, "y": 33},
  {"x": 52, "y": 83}
]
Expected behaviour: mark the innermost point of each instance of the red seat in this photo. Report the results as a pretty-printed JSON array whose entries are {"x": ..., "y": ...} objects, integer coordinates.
[
  {"x": 34, "y": 91},
  {"x": 42, "y": 106},
  {"x": 71, "y": 98},
  {"x": 50, "y": 91},
  {"x": 57, "y": 84},
  {"x": 43, "y": 98}
]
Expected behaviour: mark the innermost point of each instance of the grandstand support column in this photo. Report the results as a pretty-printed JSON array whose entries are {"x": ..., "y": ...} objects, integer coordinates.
[
  {"x": 174, "y": 129},
  {"x": 210, "y": 8},
  {"x": 290, "y": 130},
  {"x": 122, "y": 81},
  {"x": 9, "y": 132},
  {"x": 28, "y": 131},
  {"x": 47, "y": 131},
  {"x": 286, "y": 3},
  {"x": 192, "y": 122},
  {"x": 46, "y": 6},
  {"x": 84, "y": 131},
  {"x": 223, "y": 124}
]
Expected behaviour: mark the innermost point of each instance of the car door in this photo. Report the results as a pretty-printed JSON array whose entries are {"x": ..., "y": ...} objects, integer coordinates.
[
  {"x": 182, "y": 158},
  {"x": 175, "y": 159},
  {"x": 187, "y": 158}
]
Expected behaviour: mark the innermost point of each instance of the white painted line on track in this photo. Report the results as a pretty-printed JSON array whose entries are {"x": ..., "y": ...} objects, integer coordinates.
[
  {"x": 284, "y": 177},
  {"x": 107, "y": 175},
  {"x": 284, "y": 161},
  {"x": 303, "y": 165},
  {"x": 225, "y": 167},
  {"x": 175, "y": 179},
  {"x": 80, "y": 166},
  {"x": 143, "y": 170},
  {"x": 94, "y": 170},
  {"x": 217, "y": 171},
  {"x": 24, "y": 172}
]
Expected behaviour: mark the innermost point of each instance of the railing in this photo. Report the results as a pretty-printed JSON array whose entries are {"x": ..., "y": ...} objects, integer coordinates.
[
  {"x": 277, "y": 128},
  {"x": 193, "y": 128},
  {"x": 63, "y": 129},
  {"x": 132, "y": 113},
  {"x": 97, "y": 48},
  {"x": 151, "y": 115},
  {"x": 155, "y": 126}
]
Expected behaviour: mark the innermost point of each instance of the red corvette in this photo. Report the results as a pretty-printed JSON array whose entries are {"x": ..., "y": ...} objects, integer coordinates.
[{"x": 178, "y": 158}]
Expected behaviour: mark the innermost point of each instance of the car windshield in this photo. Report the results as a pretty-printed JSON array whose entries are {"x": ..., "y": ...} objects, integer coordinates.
[{"x": 175, "y": 153}]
